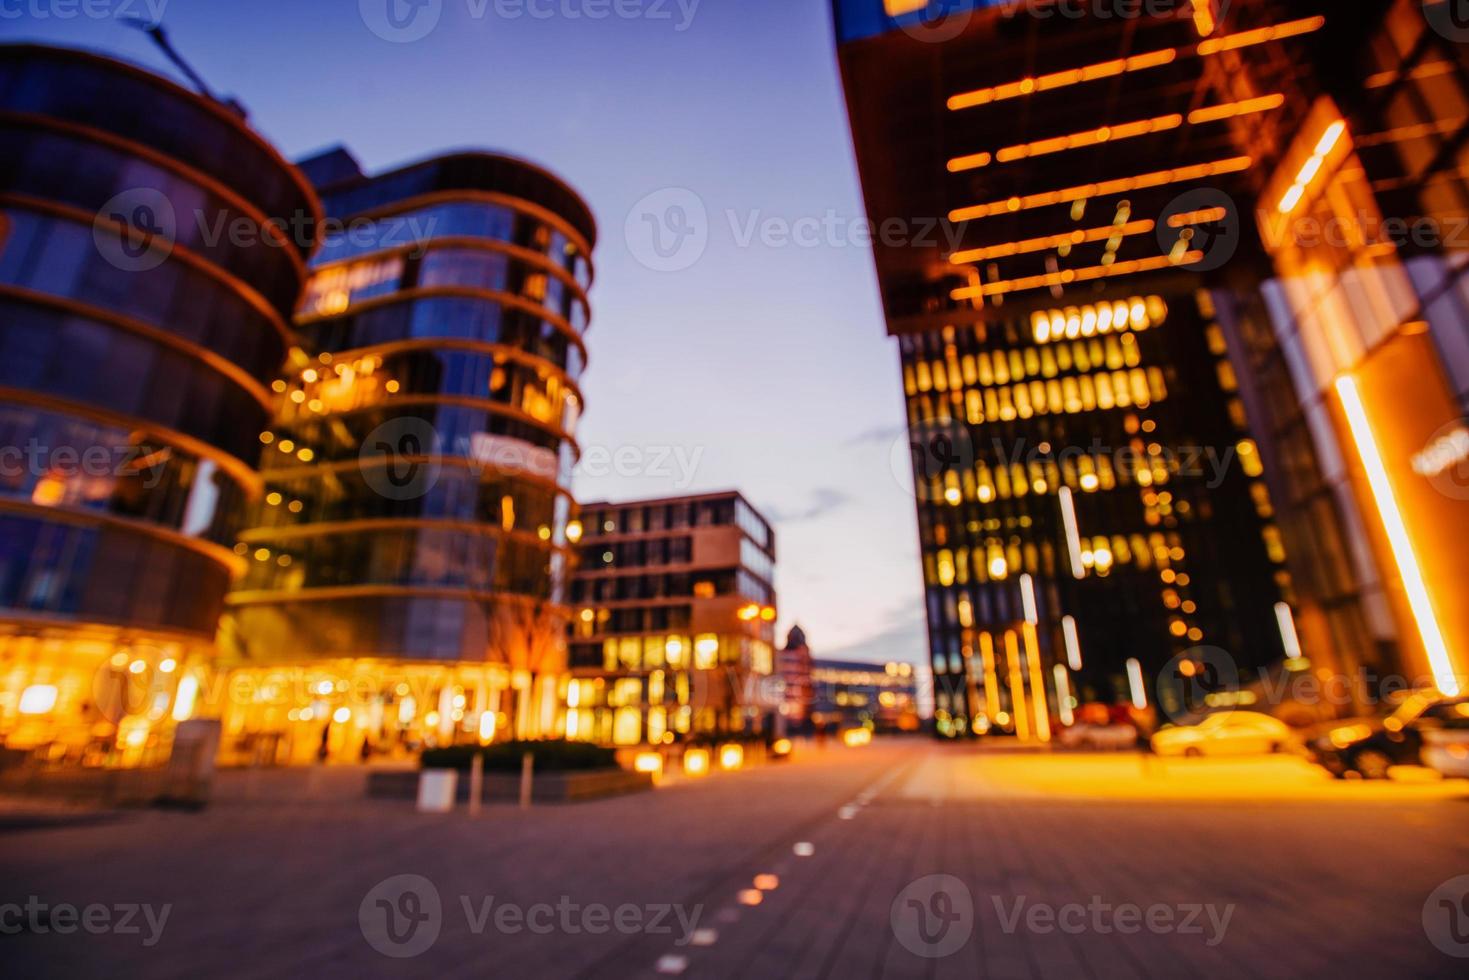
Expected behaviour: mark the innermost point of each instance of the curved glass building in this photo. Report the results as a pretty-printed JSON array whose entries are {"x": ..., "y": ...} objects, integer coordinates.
[
  {"x": 408, "y": 562},
  {"x": 148, "y": 271}
]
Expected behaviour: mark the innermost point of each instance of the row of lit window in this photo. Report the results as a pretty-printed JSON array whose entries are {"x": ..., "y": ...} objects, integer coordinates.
[
  {"x": 1119, "y": 389},
  {"x": 1099, "y": 318},
  {"x": 996, "y": 561},
  {"x": 705, "y": 652},
  {"x": 985, "y": 368},
  {"x": 1088, "y": 474}
]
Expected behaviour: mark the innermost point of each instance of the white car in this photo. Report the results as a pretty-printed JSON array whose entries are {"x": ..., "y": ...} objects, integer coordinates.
[
  {"x": 1225, "y": 733},
  {"x": 1446, "y": 750}
]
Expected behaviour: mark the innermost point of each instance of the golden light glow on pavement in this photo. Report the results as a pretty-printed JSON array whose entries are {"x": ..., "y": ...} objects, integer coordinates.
[
  {"x": 1044, "y": 773},
  {"x": 1439, "y": 661}
]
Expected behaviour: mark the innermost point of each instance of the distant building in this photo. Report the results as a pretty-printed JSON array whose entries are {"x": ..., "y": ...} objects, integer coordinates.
[
  {"x": 793, "y": 664},
  {"x": 855, "y": 693},
  {"x": 137, "y": 348},
  {"x": 673, "y": 626}
]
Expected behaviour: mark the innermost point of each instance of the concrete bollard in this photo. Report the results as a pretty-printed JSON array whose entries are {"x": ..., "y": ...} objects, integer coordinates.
[
  {"x": 476, "y": 783},
  {"x": 527, "y": 778},
  {"x": 436, "y": 789}
]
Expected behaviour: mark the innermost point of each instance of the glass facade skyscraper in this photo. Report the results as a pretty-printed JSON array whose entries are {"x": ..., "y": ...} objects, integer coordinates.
[
  {"x": 407, "y": 563},
  {"x": 147, "y": 279},
  {"x": 1094, "y": 507}
]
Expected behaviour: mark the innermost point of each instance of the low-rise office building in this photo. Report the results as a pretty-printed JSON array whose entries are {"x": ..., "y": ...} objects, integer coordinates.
[{"x": 673, "y": 628}]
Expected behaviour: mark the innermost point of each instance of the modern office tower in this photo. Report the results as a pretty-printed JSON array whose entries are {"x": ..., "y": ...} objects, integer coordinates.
[
  {"x": 406, "y": 580},
  {"x": 1359, "y": 361},
  {"x": 147, "y": 277},
  {"x": 673, "y": 629},
  {"x": 1054, "y": 198},
  {"x": 857, "y": 694}
]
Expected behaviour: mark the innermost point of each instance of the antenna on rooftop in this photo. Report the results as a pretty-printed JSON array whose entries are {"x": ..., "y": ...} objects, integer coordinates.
[{"x": 154, "y": 29}]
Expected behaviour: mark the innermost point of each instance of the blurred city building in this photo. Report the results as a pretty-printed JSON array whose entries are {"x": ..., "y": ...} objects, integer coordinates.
[
  {"x": 858, "y": 694},
  {"x": 148, "y": 273},
  {"x": 673, "y": 633},
  {"x": 407, "y": 564},
  {"x": 793, "y": 664}
]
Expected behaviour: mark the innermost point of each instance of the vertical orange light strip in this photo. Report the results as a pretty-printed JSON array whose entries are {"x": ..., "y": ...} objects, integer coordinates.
[
  {"x": 1017, "y": 688},
  {"x": 1037, "y": 684},
  {"x": 1063, "y": 695},
  {"x": 1397, "y": 535},
  {"x": 991, "y": 679}
]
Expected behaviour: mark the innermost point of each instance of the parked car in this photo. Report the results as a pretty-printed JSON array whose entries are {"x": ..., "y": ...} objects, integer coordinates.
[
  {"x": 1446, "y": 750},
  {"x": 1369, "y": 747},
  {"x": 1224, "y": 733},
  {"x": 1100, "y": 727}
]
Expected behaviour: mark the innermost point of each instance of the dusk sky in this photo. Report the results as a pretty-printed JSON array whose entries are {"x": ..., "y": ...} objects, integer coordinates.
[{"x": 764, "y": 362}]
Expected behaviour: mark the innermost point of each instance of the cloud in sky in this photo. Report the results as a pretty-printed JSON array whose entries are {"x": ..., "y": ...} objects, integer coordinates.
[{"x": 823, "y": 501}]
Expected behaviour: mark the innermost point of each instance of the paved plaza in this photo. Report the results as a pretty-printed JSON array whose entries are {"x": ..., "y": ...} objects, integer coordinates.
[{"x": 901, "y": 859}]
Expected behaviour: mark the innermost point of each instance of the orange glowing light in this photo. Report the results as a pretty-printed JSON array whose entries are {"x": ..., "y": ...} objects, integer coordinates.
[
  {"x": 1397, "y": 533},
  {"x": 1124, "y": 185},
  {"x": 1068, "y": 276},
  {"x": 1078, "y": 237},
  {"x": 1229, "y": 110}
]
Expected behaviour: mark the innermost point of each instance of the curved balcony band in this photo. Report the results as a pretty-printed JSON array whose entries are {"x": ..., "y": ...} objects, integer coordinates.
[
  {"x": 147, "y": 109},
  {"x": 152, "y": 248},
  {"x": 452, "y": 313},
  {"x": 452, "y": 302}
]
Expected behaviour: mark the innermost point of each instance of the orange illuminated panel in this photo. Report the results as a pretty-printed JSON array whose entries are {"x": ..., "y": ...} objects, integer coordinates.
[
  {"x": 1062, "y": 79},
  {"x": 1390, "y": 430},
  {"x": 1214, "y": 113},
  {"x": 1244, "y": 39},
  {"x": 1068, "y": 276},
  {"x": 1081, "y": 192},
  {"x": 1078, "y": 237},
  {"x": 1122, "y": 66},
  {"x": 1073, "y": 141}
]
